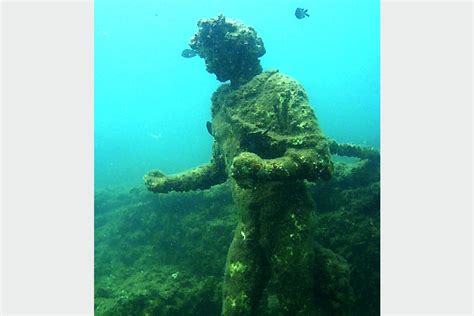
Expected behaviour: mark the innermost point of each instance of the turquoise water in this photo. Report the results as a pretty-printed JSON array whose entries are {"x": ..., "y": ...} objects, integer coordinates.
[{"x": 151, "y": 104}]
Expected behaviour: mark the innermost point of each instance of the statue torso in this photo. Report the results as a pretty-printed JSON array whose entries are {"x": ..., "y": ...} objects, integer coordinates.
[{"x": 266, "y": 116}]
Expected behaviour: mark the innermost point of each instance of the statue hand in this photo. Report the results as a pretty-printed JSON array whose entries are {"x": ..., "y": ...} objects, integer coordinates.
[
  {"x": 155, "y": 181},
  {"x": 245, "y": 168}
]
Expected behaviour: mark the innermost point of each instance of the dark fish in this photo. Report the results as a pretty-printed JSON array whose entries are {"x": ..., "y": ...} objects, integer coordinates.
[
  {"x": 188, "y": 53},
  {"x": 134, "y": 191},
  {"x": 209, "y": 128},
  {"x": 301, "y": 13}
]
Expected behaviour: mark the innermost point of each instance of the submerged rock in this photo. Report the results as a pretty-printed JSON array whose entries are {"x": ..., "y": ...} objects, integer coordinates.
[{"x": 143, "y": 240}]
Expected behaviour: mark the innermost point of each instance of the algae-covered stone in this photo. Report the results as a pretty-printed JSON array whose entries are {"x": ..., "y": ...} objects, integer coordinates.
[
  {"x": 268, "y": 131},
  {"x": 268, "y": 143},
  {"x": 231, "y": 49},
  {"x": 143, "y": 239}
]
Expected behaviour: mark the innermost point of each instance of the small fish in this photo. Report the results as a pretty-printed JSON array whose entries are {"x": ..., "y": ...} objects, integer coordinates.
[
  {"x": 209, "y": 128},
  {"x": 134, "y": 191},
  {"x": 301, "y": 13},
  {"x": 155, "y": 136},
  {"x": 188, "y": 53}
]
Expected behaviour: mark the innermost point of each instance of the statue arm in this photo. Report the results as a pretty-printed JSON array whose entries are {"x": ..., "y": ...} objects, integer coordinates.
[
  {"x": 296, "y": 164},
  {"x": 307, "y": 155},
  {"x": 352, "y": 150},
  {"x": 202, "y": 177}
]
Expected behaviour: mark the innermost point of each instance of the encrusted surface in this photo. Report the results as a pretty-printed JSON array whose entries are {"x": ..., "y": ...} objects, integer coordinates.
[{"x": 231, "y": 49}]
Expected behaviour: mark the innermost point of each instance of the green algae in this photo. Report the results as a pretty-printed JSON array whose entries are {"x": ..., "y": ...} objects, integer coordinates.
[
  {"x": 288, "y": 255},
  {"x": 217, "y": 37},
  {"x": 142, "y": 239},
  {"x": 267, "y": 143}
]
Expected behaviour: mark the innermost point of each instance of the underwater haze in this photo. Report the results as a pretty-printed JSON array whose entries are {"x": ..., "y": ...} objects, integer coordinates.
[
  {"x": 151, "y": 104},
  {"x": 226, "y": 239}
]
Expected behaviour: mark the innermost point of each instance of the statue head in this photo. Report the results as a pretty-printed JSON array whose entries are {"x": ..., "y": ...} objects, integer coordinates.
[{"x": 230, "y": 49}]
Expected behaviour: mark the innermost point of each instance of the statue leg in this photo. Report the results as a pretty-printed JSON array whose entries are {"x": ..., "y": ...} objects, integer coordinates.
[
  {"x": 292, "y": 263},
  {"x": 246, "y": 274}
]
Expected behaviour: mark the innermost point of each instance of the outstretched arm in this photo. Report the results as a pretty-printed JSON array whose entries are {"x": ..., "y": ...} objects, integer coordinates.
[
  {"x": 353, "y": 150},
  {"x": 202, "y": 177}
]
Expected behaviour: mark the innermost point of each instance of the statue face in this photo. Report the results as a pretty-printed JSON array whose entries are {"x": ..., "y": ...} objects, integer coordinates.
[{"x": 231, "y": 49}]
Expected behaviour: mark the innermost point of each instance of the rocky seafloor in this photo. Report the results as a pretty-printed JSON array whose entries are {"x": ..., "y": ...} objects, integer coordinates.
[{"x": 164, "y": 254}]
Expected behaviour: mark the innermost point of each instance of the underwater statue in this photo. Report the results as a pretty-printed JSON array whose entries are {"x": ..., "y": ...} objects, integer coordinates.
[{"x": 267, "y": 143}]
